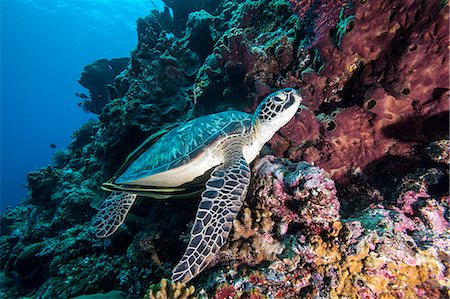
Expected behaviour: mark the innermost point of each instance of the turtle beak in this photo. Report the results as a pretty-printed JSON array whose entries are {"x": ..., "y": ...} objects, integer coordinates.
[
  {"x": 293, "y": 97},
  {"x": 296, "y": 96},
  {"x": 289, "y": 102}
]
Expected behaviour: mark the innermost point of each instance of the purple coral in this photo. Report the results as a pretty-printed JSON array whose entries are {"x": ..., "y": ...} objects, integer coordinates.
[{"x": 321, "y": 15}]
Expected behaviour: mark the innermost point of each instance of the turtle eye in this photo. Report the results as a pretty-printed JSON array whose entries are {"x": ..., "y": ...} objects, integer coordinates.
[{"x": 277, "y": 100}]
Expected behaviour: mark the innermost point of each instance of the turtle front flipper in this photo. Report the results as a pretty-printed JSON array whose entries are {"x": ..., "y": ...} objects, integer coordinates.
[
  {"x": 112, "y": 213},
  {"x": 221, "y": 202}
]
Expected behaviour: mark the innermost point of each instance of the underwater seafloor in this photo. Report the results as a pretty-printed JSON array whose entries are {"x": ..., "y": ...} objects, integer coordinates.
[{"x": 349, "y": 200}]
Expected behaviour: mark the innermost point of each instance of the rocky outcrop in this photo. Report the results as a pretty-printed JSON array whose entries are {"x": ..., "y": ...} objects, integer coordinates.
[{"x": 96, "y": 77}]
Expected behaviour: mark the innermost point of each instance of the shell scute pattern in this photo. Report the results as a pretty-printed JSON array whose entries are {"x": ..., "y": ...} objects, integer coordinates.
[{"x": 185, "y": 142}]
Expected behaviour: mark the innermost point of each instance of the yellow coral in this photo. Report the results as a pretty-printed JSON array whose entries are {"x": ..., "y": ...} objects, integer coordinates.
[
  {"x": 374, "y": 270},
  {"x": 328, "y": 254},
  {"x": 171, "y": 290},
  {"x": 251, "y": 239},
  {"x": 249, "y": 225},
  {"x": 399, "y": 278}
]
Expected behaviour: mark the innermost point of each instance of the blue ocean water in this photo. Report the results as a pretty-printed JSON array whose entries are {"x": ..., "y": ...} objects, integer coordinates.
[{"x": 44, "y": 46}]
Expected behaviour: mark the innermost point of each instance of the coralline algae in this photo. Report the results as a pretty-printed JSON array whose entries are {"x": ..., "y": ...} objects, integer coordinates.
[{"x": 350, "y": 200}]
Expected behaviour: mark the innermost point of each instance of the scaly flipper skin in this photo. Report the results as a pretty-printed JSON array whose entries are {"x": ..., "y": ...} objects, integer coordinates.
[
  {"x": 221, "y": 202},
  {"x": 112, "y": 213}
]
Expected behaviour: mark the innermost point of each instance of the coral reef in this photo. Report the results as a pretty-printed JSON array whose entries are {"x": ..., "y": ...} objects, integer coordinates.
[
  {"x": 96, "y": 77},
  {"x": 109, "y": 295},
  {"x": 389, "y": 249},
  {"x": 349, "y": 200},
  {"x": 439, "y": 151},
  {"x": 287, "y": 195},
  {"x": 182, "y": 10},
  {"x": 368, "y": 101},
  {"x": 323, "y": 16}
]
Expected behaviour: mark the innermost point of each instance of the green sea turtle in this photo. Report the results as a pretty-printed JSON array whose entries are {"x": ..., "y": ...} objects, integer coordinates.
[{"x": 219, "y": 146}]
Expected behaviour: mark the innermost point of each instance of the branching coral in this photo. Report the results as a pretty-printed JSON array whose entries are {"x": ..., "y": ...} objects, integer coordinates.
[
  {"x": 169, "y": 290},
  {"x": 252, "y": 242}
]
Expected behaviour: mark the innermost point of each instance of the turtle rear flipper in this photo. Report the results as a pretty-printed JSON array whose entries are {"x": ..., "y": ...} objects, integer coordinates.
[
  {"x": 221, "y": 202},
  {"x": 112, "y": 213}
]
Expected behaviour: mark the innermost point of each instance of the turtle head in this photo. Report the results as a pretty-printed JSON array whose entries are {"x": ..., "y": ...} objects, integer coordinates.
[{"x": 276, "y": 110}]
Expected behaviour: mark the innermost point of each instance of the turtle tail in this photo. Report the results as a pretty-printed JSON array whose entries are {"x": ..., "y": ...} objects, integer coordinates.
[{"x": 112, "y": 213}]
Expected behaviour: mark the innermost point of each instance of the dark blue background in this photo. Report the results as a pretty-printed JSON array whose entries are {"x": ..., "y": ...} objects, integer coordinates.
[{"x": 44, "y": 47}]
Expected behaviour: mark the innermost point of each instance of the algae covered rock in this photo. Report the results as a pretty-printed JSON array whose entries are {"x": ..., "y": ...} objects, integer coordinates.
[
  {"x": 29, "y": 262},
  {"x": 299, "y": 193},
  {"x": 43, "y": 184},
  {"x": 198, "y": 33},
  {"x": 109, "y": 295}
]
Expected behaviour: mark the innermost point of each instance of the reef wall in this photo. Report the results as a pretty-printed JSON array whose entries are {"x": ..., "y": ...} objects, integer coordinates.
[
  {"x": 96, "y": 77},
  {"x": 349, "y": 200}
]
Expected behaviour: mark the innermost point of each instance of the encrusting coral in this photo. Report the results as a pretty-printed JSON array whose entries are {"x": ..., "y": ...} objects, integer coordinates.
[
  {"x": 439, "y": 151},
  {"x": 382, "y": 251},
  {"x": 291, "y": 194},
  {"x": 296, "y": 192},
  {"x": 349, "y": 200}
]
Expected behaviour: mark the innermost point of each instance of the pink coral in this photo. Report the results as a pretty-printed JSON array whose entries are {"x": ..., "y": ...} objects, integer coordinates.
[
  {"x": 434, "y": 215},
  {"x": 296, "y": 192},
  {"x": 407, "y": 199},
  {"x": 355, "y": 230},
  {"x": 225, "y": 292},
  {"x": 382, "y": 251},
  {"x": 403, "y": 224}
]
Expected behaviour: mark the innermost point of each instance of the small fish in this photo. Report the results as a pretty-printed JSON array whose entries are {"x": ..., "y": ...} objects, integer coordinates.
[
  {"x": 81, "y": 95},
  {"x": 52, "y": 145}
]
